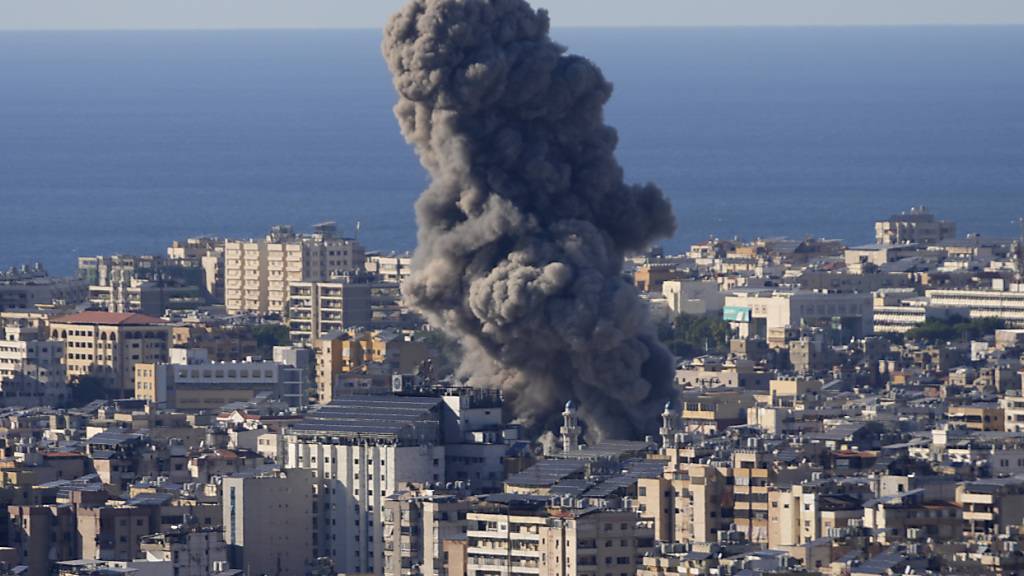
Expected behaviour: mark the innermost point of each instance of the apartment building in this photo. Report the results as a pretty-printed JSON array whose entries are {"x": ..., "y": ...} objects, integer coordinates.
[
  {"x": 356, "y": 351},
  {"x": 318, "y": 308},
  {"x": 191, "y": 382},
  {"x": 21, "y": 353},
  {"x": 29, "y": 286},
  {"x": 258, "y": 273},
  {"x": 113, "y": 532},
  {"x": 772, "y": 314},
  {"x": 108, "y": 345},
  {"x": 693, "y": 296},
  {"x": 517, "y": 535},
  {"x": 43, "y": 535},
  {"x": 1002, "y": 302},
  {"x": 191, "y": 552},
  {"x": 916, "y": 226},
  {"x": 696, "y": 497},
  {"x": 205, "y": 254},
  {"x": 392, "y": 268},
  {"x": 361, "y": 450},
  {"x": 269, "y": 521},
  {"x": 417, "y": 523},
  {"x": 991, "y": 505}
]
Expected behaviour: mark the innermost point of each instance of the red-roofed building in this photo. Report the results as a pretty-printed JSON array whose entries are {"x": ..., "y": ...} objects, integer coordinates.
[
  {"x": 96, "y": 317},
  {"x": 108, "y": 345}
]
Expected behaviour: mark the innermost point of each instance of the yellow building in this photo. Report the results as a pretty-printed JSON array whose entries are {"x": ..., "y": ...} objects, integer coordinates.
[
  {"x": 692, "y": 502},
  {"x": 980, "y": 417},
  {"x": 258, "y": 272},
  {"x": 108, "y": 345},
  {"x": 353, "y": 351}
]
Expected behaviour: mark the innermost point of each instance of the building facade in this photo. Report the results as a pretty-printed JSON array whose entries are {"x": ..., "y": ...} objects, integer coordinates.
[
  {"x": 108, "y": 345},
  {"x": 259, "y": 272}
]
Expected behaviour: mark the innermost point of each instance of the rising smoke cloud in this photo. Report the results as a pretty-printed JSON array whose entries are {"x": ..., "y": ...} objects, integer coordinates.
[{"x": 523, "y": 230}]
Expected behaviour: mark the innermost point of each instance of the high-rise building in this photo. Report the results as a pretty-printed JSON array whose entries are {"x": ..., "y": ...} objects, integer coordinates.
[
  {"x": 317, "y": 308},
  {"x": 416, "y": 525},
  {"x": 259, "y": 272},
  {"x": 269, "y": 521},
  {"x": 362, "y": 449}
]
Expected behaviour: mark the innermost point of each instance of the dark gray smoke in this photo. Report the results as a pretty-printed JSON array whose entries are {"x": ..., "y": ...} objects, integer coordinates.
[{"x": 523, "y": 229}]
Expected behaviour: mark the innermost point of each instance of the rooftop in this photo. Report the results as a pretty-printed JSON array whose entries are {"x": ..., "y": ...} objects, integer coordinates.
[
  {"x": 108, "y": 319},
  {"x": 374, "y": 416}
]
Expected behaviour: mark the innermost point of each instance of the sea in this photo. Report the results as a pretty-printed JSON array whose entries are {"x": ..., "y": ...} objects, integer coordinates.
[{"x": 120, "y": 142}]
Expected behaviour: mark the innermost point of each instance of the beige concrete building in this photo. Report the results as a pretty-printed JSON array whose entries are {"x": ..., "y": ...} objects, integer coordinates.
[
  {"x": 917, "y": 226},
  {"x": 42, "y": 535},
  {"x": 356, "y": 351},
  {"x": 527, "y": 538},
  {"x": 268, "y": 522},
  {"x": 712, "y": 372},
  {"x": 416, "y": 526},
  {"x": 206, "y": 254},
  {"x": 389, "y": 267},
  {"x": 190, "y": 382},
  {"x": 992, "y": 505},
  {"x": 259, "y": 272},
  {"x": 692, "y": 501},
  {"x": 802, "y": 513},
  {"x": 772, "y": 314},
  {"x": 198, "y": 552},
  {"x": 21, "y": 353},
  {"x": 113, "y": 532},
  {"x": 108, "y": 345},
  {"x": 318, "y": 308}
]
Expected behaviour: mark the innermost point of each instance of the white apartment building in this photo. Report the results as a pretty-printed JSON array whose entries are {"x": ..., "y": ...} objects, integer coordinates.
[
  {"x": 693, "y": 296},
  {"x": 259, "y": 272},
  {"x": 361, "y": 450},
  {"x": 317, "y": 308},
  {"x": 22, "y": 353},
  {"x": 1006, "y": 305},
  {"x": 771, "y": 313},
  {"x": 389, "y": 267}
]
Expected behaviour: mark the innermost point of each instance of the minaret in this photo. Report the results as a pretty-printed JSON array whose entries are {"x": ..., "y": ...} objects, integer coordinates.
[
  {"x": 668, "y": 426},
  {"x": 570, "y": 429}
]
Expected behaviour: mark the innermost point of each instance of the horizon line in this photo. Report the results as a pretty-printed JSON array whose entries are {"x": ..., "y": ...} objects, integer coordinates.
[{"x": 562, "y": 27}]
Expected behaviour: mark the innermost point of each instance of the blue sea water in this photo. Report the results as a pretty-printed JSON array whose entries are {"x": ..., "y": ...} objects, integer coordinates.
[{"x": 124, "y": 141}]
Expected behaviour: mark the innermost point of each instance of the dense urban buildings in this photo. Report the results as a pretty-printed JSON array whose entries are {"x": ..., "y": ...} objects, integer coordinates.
[{"x": 838, "y": 410}]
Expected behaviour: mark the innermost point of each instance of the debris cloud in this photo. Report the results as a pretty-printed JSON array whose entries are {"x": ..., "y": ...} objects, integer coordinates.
[{"x": 525, "y": 225}]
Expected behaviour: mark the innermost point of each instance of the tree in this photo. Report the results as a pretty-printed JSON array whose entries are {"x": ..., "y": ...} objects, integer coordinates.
[
  {"x": 954, "y": 328},
  {"x": 270, "y": 335},
  {"x": 86, "y": 388},
  {"x": 692, "y": 335}
]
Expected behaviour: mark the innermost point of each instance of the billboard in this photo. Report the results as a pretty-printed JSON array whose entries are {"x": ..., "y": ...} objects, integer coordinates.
[{"x": 736, "y": 314}]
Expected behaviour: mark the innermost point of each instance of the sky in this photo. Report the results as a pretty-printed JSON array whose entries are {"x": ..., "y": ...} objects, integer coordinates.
[{"x": 242, "y": 14}]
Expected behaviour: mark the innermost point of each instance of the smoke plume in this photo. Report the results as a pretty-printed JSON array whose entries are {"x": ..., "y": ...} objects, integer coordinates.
[{"x": 523, "y": 230}]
